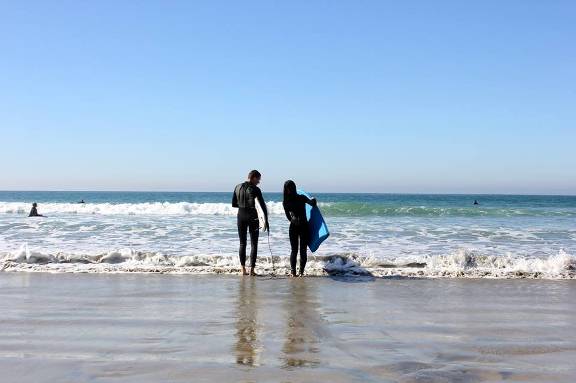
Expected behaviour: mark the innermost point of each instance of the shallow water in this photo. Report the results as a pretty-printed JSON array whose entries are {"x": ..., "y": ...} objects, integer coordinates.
[
  {"x": 178, "y": 328},
  {"x": 378, "y": 234}
]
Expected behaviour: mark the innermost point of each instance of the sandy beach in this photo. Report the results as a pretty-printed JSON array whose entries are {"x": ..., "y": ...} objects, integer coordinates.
[{"x": 182, "y": 328}]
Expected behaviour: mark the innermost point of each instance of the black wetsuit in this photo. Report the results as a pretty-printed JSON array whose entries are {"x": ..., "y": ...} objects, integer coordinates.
[
  {"x": 34, "y": 212},
  {"x": 295, "y": 210},
  {"x": 245, "y": 196}
]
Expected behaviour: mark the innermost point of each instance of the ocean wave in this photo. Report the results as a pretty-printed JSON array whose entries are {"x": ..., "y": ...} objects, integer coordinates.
[
  {"x": 352, "y": 209},
  {"x": 341, "y": 209},
  {"x": 148, "y": 208},
  {"x": 463, "y": 263}
]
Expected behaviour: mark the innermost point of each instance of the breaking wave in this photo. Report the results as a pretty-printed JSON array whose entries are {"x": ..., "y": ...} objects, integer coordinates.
[
  {"x": 146, "y": 208},
  {"x": 463, "y": 263},
  {"x": 344, "y": 209}
]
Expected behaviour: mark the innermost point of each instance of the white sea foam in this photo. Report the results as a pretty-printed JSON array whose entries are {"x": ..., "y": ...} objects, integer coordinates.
[
  {"x": 462, "y": 263},
  {"x": 343, "y": 209},
  {"x": 464, "y": 260},
  {"x": 146, "y": 208}
]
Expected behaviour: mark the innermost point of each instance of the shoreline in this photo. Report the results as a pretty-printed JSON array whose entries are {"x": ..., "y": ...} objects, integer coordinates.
[{"x": 280, "y": 271}]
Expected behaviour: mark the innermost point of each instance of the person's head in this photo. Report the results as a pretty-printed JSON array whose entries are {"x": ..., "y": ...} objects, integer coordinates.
[
  {"x": 289, "y": 190},
  {"x": 34, "y": 204},
  {"x": 254, "y": 177}
]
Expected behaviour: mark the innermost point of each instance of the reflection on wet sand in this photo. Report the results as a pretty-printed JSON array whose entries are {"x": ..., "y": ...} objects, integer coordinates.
[
  {"x": 301, "y": 344},
  {"x": 247, "y": 346},
  {"x": 148, "y": 329}
]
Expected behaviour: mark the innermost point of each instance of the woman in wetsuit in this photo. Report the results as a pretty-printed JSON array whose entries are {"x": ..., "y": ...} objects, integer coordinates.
[{"x": 295, "y": 209}]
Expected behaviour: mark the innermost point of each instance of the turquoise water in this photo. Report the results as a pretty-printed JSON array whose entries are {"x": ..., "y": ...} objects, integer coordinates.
[
  {"x": 340, "y": 204},
  {"x": 380, "y": 234}
]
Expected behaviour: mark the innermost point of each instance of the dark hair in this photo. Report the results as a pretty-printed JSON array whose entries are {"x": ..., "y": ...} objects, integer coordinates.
[
  {"x": 289, "y": 190},
  {"x": 254, "y": 174}
]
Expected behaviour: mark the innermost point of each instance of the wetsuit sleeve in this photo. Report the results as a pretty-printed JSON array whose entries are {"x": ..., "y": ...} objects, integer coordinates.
[
  {"x": 262, "y": 203},
  {"x": 234, "y": 198},
  {"x": 288, "y": 216},
  {"x": 309, "y": 201}
]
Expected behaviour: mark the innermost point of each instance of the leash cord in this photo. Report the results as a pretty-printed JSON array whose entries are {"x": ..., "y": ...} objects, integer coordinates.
[{"x": 271, "y": 255}]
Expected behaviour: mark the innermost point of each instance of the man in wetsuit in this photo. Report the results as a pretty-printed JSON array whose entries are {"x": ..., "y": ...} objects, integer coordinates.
[{"x": 245, "y": 196}]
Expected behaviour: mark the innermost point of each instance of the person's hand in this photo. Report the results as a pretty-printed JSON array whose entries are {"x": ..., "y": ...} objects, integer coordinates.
[
  {"x": 314, "y": 202},
  {"x": 267, "y": 227}
]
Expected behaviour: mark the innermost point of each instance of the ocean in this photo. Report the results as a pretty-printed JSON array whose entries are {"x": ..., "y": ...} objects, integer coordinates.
[{"x": 404, "y": 235}]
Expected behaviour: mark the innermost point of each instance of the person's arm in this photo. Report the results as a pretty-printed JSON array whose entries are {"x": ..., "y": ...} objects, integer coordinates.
[
  {"x": 263, "y": 204},
  {"x": 288, "y": 215},
  {"x": 309, "y": 201},
  {"x": 235, "y": 198}
]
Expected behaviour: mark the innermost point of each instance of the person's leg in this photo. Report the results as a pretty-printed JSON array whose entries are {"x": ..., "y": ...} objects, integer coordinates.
[
  {"x": 243, "y": 236},
  {"x": 303, "y": 248},
  {"x": 254, "y": 234},
  {"x": 293, "y": 234}
]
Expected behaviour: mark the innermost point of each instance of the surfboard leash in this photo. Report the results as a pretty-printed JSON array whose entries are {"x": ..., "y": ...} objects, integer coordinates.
[{"x": 271, "y": 255}]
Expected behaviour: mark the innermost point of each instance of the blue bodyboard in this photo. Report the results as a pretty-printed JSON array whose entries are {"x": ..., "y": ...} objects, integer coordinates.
[{"x": 318, "y": 229}]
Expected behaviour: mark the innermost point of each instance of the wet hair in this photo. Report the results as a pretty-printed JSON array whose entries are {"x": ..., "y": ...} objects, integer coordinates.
[
  {"x": 254, "y": 174},
  {"x": 289, "y": 190},
  {"x": 34, "y": 204}
]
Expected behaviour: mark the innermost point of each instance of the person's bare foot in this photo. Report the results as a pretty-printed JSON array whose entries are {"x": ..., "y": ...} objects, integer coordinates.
[
  {"x": 293, "y": 275},
  {"x": 253, "y": 273},
  {"x": 244, "y": 272}
]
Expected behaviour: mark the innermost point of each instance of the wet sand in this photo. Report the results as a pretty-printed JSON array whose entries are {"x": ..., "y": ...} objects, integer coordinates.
[{"x": 184, "y": 328}]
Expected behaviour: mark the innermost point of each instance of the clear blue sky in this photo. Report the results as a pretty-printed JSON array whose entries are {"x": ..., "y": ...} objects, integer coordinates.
[{"x": 379, "y": 96}]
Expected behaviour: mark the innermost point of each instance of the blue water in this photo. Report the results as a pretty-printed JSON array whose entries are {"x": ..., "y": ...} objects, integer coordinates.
[
  {"x": 341, "y": 203},
  {"x": 442, "y": 234}
]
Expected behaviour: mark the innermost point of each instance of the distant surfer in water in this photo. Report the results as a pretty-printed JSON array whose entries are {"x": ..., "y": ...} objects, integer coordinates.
[
  {"x": 295, "y": 209},
  {"x": 81, "y": 201},
  {"x": 246, "y": 196},
  {"x": 34, "y": 211},
  {"x": 476, "y": 202}
]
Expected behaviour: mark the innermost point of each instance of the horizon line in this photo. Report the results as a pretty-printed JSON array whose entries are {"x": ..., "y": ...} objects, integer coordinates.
[{"x": 318, "y": 192}]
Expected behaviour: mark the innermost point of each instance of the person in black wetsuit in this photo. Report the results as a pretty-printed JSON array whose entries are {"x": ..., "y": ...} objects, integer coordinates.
[
  {"x": 245, "y": 196},
  {"x": 295, "y": 209},
  {"x": 34, "y": 211}
]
